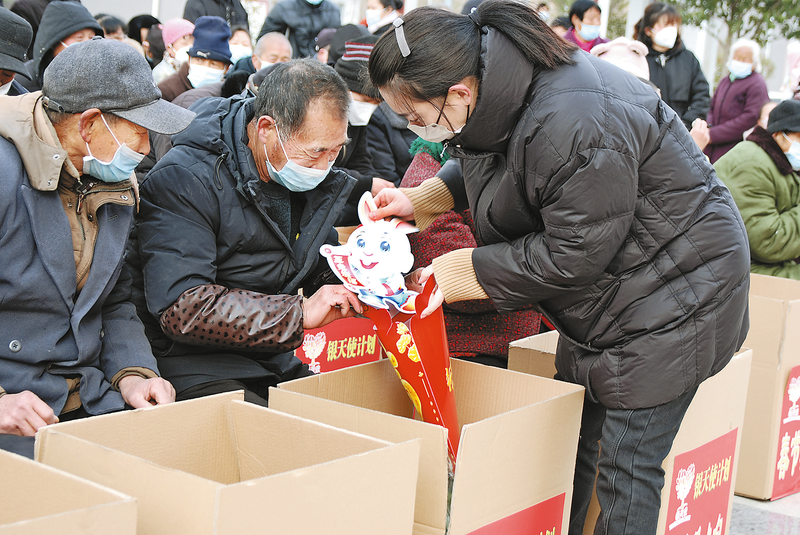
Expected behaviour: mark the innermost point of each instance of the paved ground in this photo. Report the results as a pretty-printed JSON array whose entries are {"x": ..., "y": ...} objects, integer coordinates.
[{"x": 754, "y": 517}]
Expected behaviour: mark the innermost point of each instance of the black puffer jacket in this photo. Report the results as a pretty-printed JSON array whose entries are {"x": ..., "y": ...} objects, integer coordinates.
[
  {"x": 231, "y": 10},
  {"x": 303, "y": 21},
  {"x": 388, "y": 144},
  {"x": 678, "y": 75},
  {"x": 601, "y": 209},
  {"x": 206, "y": 218}
]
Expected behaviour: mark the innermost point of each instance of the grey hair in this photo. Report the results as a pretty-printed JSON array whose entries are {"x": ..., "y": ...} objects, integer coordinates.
[
  {"x": 57, "y": 117},
  {"x": 289, "y": 89},
  {"x": 753, "y": 46}
]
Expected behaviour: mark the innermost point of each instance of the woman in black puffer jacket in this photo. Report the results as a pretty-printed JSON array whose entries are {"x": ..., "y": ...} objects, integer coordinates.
[{"x": 596, "y": 206}]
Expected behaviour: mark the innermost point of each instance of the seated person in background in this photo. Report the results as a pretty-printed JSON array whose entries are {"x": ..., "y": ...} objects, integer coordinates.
[
  {"x": 70, "y": 342},
  {"x": 737, "y": 101},
  {"x": 561, "y": 26},
  {"x": 364, "y": 99},
  {"x": 475, "y": 329},
  {"x": 176, "y": 35},
  {"x": 63, "y": 24},
  {"x": 14, "y": 41},
  {"x": 240, "y": 43},
  {"x": 584, "y": 15},
  {"x": 209, "y": 59},
  {"x": 270, "y": 48},
  {"x": 761, "y": 174},
  {"x": 230, "y": 227}
]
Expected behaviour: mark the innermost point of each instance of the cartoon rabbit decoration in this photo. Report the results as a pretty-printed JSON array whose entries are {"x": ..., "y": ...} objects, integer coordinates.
[{"x": 372, "y": 262}]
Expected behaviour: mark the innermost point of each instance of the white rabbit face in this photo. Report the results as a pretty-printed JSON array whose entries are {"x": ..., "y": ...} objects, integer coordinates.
[{"x": 380, "y": 250}]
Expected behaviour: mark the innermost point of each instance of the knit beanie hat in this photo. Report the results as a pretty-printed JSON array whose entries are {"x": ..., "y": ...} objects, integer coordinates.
[
  {"x": 211, "y": 36},
  {"x": 785, "y": 117},
  {"x": 352, "y": 66},
  {"x": 174, "y": 29}
]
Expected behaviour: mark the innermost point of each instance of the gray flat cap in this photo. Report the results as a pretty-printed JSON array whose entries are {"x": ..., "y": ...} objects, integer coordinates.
[
  {"x": 785, "y": 117},
  {"x": 15, "y": 38},
  {"x": 113, "y": 77}
]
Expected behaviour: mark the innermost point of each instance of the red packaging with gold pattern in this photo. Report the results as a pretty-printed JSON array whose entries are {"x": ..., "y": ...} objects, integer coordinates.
[{"x": 417, "y": 348}]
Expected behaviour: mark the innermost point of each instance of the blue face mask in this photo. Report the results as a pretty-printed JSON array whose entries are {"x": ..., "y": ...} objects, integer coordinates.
[
  {"x": 314, "y": 2},
  {"x": 589, "y": 32},
  {"x": 740, "y": 69},
  {"x": 119, "y": 168},
  {"x": 793, "y": 154},
  {"x": 295, "y": 177}
]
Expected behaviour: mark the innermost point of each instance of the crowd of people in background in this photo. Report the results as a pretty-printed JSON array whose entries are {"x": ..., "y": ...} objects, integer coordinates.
[{"x": 202, "y": 164}]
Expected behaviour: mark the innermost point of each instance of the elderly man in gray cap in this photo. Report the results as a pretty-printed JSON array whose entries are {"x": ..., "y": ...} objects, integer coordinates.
[
  {"x": 70, "y": 342},
  {"x": 15, "y": 37}
]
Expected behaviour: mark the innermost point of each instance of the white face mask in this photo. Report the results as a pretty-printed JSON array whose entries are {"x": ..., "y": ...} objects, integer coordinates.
[
  {"x": 373, "y": 16},
  {"x": 240, "y": 52},
  {"x": 666, "y": 37},
  {"x": 200, "y": 75},
  {"x": 5, "y": 87},
  {"x": 181, "y": 56},
  {"x": 436, "y": 133},
  {"x": 360, "y": 112}
]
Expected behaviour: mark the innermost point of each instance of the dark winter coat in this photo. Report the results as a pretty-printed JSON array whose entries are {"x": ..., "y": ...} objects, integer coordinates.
[
  {"x": 684, "y": 87},
  {"x": 354, "y": 160},
  {"x": 303, "y": 22},
  {"x": 600, "y": 208},
  {"x": 176, "y": 84},
  {"x": 207, "y": 218},
  {"x": 388, "y": 142},
  {"x": 231, "y": 11},
  {"x": 735, "y": 108}
]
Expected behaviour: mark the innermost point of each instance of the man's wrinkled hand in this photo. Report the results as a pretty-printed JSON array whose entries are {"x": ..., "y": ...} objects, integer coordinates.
[
  {"x": 139, "y": 392},
  {"x": 22, "y": 414},
  {"x": 330, "y": 303}
]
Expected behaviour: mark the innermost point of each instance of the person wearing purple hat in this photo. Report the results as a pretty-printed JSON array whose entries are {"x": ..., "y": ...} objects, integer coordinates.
[
  {"x": 72, "y": 345},
  {"x": 15, "y": 36},
  {"x": 209, "y": 58}
]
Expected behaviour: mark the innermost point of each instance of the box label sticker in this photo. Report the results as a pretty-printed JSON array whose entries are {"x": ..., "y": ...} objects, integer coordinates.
[
  {"x": 787, "y": 468},
  {"x": 701, "y": 488},
  {"x": 544, "y": 518},
  {"x": 340, "y": 344}
]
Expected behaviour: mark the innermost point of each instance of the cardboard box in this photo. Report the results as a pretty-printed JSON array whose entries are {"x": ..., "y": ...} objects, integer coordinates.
[
  {"x": 516, "y": 456},
  {"x": 340, "y": 344},
  {"x": 775, "y": 339},
  {"x": 38, "y": 499},
  {"x": 220, "y": 465},
  {"x": 707, "y": 444}
]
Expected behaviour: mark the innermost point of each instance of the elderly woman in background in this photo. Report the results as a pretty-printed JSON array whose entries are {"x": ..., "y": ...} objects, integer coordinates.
[{"x": 737, "y": 101}]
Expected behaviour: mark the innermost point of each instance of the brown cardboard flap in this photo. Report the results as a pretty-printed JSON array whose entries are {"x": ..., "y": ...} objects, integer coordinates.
[
  {"x": 39, "y": 499},
  {"x": 774, "y": 287},
  {"x": 383, "y": 479},
  {"x": 534, "y": 355},
  {"x": 357, "y": 387},
  {"x": 431, "y": 508},
  {"x": 507, "y": 463},
  {"x": 271, "y": 442},
  {"x": 198, "y": 432},
  {"x": 155, "y": 487}
]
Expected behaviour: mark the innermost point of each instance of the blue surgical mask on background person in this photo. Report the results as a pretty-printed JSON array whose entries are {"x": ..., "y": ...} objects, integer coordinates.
[
  {"x": 589, "y": 32},
  {"x": 740, "y": 69},
  {"x": 119, "y": 168},
  {"x": 793, "y": 154},
  {"x": 200, "y": 75},
  {"x": 295, "y": 177},
  {"x": 314, "y": 2}
]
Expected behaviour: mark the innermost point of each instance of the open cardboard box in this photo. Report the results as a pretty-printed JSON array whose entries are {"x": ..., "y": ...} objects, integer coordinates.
[
  {"x": 38, "y": 499},
  {"x": 516, "y": 454},
  {"x": 708, "y": 441},
  {"x": 775, "y": 340},
  {"x": 220, "y": 465}
]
